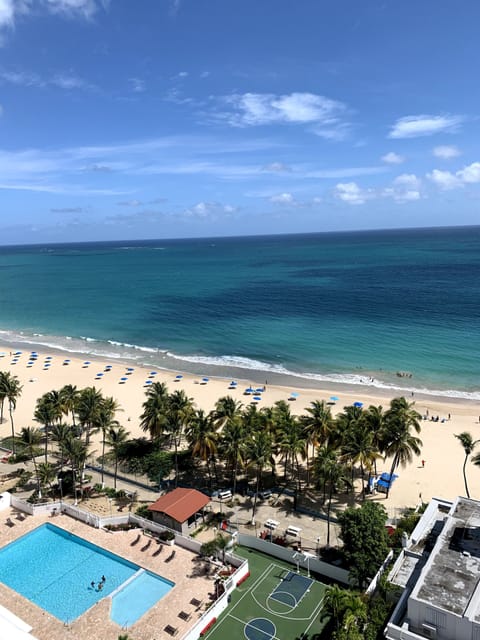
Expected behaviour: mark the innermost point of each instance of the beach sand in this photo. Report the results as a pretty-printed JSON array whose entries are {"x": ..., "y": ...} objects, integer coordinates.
[{"x": 443, "y": 456}]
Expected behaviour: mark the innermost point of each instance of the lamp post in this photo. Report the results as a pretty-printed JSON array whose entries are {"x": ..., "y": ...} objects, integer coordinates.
[
  {"x": 297, "y": 561},
  {"x": 59, "y": 480},
  {"x": 110, "y": 501}
]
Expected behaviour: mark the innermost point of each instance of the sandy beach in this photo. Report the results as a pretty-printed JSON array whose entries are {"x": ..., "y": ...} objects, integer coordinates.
[{"x": 440, "y": 474}]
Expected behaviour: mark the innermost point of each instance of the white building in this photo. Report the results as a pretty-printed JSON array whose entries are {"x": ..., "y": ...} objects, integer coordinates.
[{"x": 439, "y": 574}]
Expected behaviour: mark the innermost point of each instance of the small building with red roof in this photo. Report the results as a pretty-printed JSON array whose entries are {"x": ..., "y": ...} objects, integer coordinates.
[{"x": 179, "y": 508}]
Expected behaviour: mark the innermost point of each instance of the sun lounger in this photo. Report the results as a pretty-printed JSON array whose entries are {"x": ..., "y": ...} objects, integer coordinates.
[
  {"x": 184, "y": 615},
  {"x": 171, "y": 630},
  {"x": 196, "y": 602}
]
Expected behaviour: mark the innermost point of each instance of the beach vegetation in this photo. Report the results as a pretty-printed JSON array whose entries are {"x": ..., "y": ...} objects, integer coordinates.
[
  {"x": 31, "y": 438},
  {"x": 365, "y": 540},
  {"x": 468, "y": 443},
  {"x": 202, "y": 436},
  {"x": 10, "y": 390},
  {"x": 114, "y": 438}
]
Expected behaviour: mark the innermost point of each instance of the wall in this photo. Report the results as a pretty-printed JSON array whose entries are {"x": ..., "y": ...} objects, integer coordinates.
[{"x": 286, "y": 554}]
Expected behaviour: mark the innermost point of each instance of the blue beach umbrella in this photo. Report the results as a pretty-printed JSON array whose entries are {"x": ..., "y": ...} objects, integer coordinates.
[
  {"x": 86, "y": 363},
  {"x": 29, "y": 363},
  {"x": 178, "y": 377},
  {"x": 334, "y": 398},
  {"x": 205, "y": 380},
  {"x": 153, "y": 373},
  {"x": 18, "y": 353},
  {"x": 124, "y": 379},
  {"x": 99, "y": 375},
  {"x": 249, "y": 390},
  {"x": 257, "y": 398},
  {"x": 48, "y": 357},
  {"x": 233, "y": 383},
  {"x": 130, "y": 369},
  {"x": 358, "y": 404},
  {"x": 148, "y": 382}
]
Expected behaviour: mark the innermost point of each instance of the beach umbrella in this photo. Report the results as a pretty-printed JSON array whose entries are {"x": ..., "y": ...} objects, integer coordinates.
[
  {"x": 29, "y": 363},
  {"x": 99, "y": 375},
  {"x": 334, "y": 398},
  {"x": 249, "y": 390},
  {"x": 48, "y": 357},
  {"x": 233, "y": 383},
  {"x": 259, "y": 390},
  {"x": 205, "y": 379},
  {"x": 33, "y": 353},
  {"x": 86, "y": 363},
  {"x": 257, "y": 398},
  {"x": 130, "y": 369},
  {"x": 153, "y": 373},
  {"x": 147, "y": 382},
  {"x": 358, "y": 404},
  {"x": 17, "y": 353},
  {"x": 124, "y": 379}
]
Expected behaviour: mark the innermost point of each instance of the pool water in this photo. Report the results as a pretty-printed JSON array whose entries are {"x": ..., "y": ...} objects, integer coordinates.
[
  {"x": 55, "y": 569},
  {"x": 133, "y": 600}
]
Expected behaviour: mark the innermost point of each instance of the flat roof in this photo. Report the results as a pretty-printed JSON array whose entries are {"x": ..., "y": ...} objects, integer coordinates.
[{"x": 451, "y": 577}]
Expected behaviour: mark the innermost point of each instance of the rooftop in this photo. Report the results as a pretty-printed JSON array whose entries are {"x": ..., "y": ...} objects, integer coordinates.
[
  {"x": 180, "y": 504},
  {"x": 451, "y": 576}
]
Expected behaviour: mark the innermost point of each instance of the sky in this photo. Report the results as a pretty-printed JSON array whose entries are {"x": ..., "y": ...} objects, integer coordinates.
[{"x": 143, "y": 119}]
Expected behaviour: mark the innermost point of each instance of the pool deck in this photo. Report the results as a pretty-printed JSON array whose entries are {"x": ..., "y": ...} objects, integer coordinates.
[{"x": 193, "y": 577}]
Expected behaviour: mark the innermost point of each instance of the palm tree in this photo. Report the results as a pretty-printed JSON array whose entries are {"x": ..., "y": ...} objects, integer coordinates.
[
  {"x": 13, "y": 390},
  {"x": 468, "y": 444},
  {"x": 334, "y": 603},
  {"x": 259, "y": 456},
  {"x": 232, "y": 446},
  {"x": 292, "y": 443},
  {"x": 202, "y": 436},
  {"x": 153, "y": 418},
  {"x": 77, "y": 452},
  {"x": 47, "y": 411},
  {"x": 46, "y": 474},
  {"x": 105, "y": 422},
  {"x": 375, "y": 419},
  {"x": 358, "y": 448},
  {"x": 60, "y": 433},
  {"x": 226, "y": 409},
  {"x": 31, "y": 438},
  {"x": 70, "y": 396},
  {"x": 319, "y": 425},
  {"x": 116, "y": 437},
  {"x": 399, "y": 442},
  {"x": 180, "y": 411},
  {"x": 88, "y": 409},
  {"x": 4, "y": 375},
  {"x": 330, "y": 471}
]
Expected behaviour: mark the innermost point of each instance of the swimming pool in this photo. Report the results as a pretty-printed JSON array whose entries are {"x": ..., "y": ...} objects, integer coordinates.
[{"x": 62, "y": 573}]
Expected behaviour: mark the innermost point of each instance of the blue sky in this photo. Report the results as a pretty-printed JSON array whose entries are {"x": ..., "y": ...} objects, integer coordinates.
[{"x": 129, "y": 119}]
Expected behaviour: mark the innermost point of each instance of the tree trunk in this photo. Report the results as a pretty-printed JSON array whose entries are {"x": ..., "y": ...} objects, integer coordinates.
[
  {"x": 465, "y": 475},
  {"x": 13, "y": 430},
  {"x": 394, "y": 465}
]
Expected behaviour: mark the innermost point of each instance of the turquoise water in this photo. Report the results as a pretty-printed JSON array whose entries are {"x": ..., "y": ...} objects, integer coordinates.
[
  {"x": 136, "y": 598},
  {"x": 337, "y": 307},
  {"x": 54, "y": 569}
]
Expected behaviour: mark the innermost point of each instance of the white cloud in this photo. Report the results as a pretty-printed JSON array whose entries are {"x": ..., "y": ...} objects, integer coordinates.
[
  {"x": 392, "y": 158},
  {"x": 7, "y": 13},
  {"x": 65, "y": 81},
  {"x": 283, "y": 198},
  {"x": 446, "y": 180},
  {"x": 446, "y": 152},
  {"x": 252, "y": 109},
  {"x": 405, "y": 188},
  {"x": 72, "y": 8},
  {"x": 11, "y": 9},
  {"x": 277, "y": 167},
  {"x": 208, "y": 211},
  {"x": 351, "y": 193},
  {"x": 424, "y": 125},
  {"x": 345, "y": 172},
  {"x": 471, "y": 173},
  {"x": 137, "y": 84},
  {"x": 69, "y": 81}
]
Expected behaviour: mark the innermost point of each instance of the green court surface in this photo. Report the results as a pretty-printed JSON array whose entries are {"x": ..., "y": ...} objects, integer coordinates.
[{"x": 274, "y": 603}]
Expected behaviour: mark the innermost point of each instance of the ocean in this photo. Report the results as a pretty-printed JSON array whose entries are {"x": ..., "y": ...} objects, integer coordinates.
[{"x": 391, "y": 309}]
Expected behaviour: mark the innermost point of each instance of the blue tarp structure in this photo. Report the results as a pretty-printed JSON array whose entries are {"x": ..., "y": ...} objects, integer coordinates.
[{"x": 384, "y": 480}]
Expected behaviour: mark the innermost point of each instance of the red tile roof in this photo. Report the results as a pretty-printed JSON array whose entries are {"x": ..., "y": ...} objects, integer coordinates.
[{"x": 180, "y": 504}]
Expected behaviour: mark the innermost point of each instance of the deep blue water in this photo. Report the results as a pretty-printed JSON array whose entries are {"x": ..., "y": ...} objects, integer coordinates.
[{"x": 338, "y": 306}]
